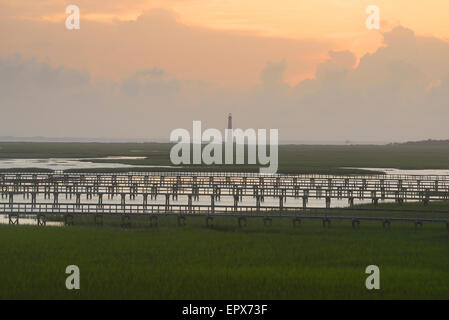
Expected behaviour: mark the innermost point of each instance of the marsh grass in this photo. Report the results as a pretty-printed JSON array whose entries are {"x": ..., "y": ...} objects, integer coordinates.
[
  {"x": 323, "y": 159},
  {"x": 224, "y": 261}
]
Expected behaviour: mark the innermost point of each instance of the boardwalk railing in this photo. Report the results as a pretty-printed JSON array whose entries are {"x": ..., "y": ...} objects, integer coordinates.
[
  {"x": 214, "y": 185},
  {"x": 42, "y": 210}
]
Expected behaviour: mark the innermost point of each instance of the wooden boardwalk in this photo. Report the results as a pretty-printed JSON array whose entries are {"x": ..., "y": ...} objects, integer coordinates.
[
  {"x": 217, "y": 185},
  {"x": 355, "y": 215},
  {"x": 39, "y": 194}
]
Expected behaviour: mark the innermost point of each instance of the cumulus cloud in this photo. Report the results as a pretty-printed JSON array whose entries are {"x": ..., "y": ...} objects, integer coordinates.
[
  {"x": 399, "y": 92},
  {"x": 157, "y": 39},
  {"x": 336, "y": 67},
  {"x": 389, "y": 95},
  {"x": 272, "y": 76}
]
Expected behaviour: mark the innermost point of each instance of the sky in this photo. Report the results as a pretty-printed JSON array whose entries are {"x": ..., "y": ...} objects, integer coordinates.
[{"x": 142, "y": 68}]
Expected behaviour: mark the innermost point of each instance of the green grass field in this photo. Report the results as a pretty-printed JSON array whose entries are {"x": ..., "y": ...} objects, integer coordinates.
[{"x": 225, "y": 261}]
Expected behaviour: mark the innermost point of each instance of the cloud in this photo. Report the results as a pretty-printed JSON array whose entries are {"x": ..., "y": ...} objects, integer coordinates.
[
  {"x": 399, "y": 92},
  {"x": 153, "y": 82},
  {"x": 272, "y": 76},
  {"x": 336, "y": 67},
  {"x": 387, "y": 96},
  {"x": 157, "y": 39}
]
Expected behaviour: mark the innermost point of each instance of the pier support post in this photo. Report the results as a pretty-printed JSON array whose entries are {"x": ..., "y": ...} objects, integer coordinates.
[
  {"x": 175, "y": 192},
  {"x": 426, "y": 197},
  {"x": 133, "y": 191},
  {"x": 236, "y": 202},
  {"x": 88, "y": 192},
  {"x": 181, "y": 220},
  {"x": 78, "y": 200},
  {"x": 33, "y": 199},
  {"x": 55, "y": 199},
  {"x": 351, "y": 202},
  {"x": 212, "y": 204},
  {"x": 98, "y": 219},
  {"x": 153, "y": 220},
  {"x": 327, "y": 222},
  {"x": 196, "y": 192},
  {"x": 68, "y": 220},
  {"x": 154, "y": 192},
  {"x": 11, "y": 199},
  {"x": 209, "y": 220},
  {"x": 267, "y": 221},
  {"x": 418, "y": 224},
  {"x": 145, "y": 201},
  {"x": 328, "y": 202},
  {"x": 13, "y": 218},
  {"x": 167, "y": 202},
  {"x": 126, "y": 220},
  {"x": 242, "y": 222},
  {"x": 123, "y": 200},
  {"x": 296, "y": 222},
  {"x": 41, "y": 219},
  {"x": 100, "y": 200},
  {"x": 189, "y": 203},
  {"x": 382, "y": 192},
  {"x": 398, "y": 198}
]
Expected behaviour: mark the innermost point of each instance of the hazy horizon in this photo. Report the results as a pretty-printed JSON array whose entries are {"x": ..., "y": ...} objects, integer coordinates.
[{"x": 155, "y": 140}]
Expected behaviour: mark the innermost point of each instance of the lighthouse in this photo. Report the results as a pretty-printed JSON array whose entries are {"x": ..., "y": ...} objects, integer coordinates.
[{"x": 229, "y": 131}]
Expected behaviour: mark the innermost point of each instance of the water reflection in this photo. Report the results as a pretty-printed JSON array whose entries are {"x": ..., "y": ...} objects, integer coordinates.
[
  {"x": 71, "y": 163},
  {"x": 67, "y": 163},
  {"x": 29, "y": 221},
  {"x": 414, "y": 172}
]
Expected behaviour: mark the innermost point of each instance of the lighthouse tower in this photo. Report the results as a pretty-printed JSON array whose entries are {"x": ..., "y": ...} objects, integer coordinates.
[{"x": 229, "y": 132}]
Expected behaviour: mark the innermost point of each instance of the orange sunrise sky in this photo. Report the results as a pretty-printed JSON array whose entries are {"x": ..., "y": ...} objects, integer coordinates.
[
  {"x": 328, "y": 24},
  {"x": 141, "y": 68}
]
